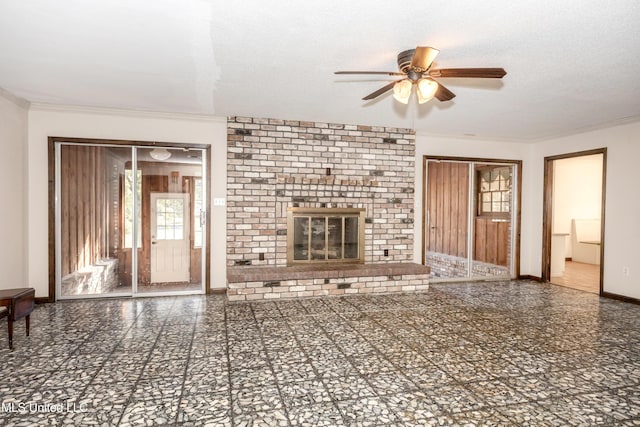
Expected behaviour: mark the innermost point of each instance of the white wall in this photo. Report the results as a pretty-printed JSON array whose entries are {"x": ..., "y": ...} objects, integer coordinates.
[
  {"x": 13, "y": 139},
  {"x": 475, "y": 148},
  {"x": 46, "y": 121},
  {"x": 577, "y": 192},
  {"x": 622, "y": 226},
  {"x": 622, "y": 211}
]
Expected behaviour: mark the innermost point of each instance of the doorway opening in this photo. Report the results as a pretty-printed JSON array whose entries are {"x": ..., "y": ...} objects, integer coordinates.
[
  {"x": 129, "y": 218},
  {"x": 573, "y": 221},
  {"x": 471, "y": 218}
]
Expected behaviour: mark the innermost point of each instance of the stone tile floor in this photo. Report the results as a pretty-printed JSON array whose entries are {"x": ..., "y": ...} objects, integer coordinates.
[{"x": 501, "y": 353}]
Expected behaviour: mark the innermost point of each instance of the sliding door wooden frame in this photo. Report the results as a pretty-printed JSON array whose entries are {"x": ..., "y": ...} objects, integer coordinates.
[
  {"x": 53, "y": 140},
  {"x": 547, "y": 215},
  {"x": 518, "y": 215}
]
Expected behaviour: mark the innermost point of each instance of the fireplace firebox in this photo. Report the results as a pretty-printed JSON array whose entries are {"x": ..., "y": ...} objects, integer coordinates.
[{"x": 325, "y": 235}]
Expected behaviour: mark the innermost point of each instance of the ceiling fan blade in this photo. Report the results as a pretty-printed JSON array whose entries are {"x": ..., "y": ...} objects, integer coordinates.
[
  {"x": 423, "y": 57},
  {"x": 487, "y": 73},
  {"x": 444, "y": 94},
  {"x": 380, "y": 91},
  {"x": 386, "y": 73}
]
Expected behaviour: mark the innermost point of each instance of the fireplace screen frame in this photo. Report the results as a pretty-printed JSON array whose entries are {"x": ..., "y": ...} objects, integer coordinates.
[{"x": 326, "y": 213}]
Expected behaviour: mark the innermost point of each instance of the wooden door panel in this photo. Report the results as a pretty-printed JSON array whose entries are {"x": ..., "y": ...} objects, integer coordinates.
[
  {"x": 463, "y": 206},
  {"x": 439, "y": 224},
  {"x": 491, "y": 241},
  {"x": 447, "y": 194},
  {"x": 503, "y": 245},
  {"x": 432, "y": 177},
  {"x": 480, "y": 240},
  {"x": 446, "y": 209}
]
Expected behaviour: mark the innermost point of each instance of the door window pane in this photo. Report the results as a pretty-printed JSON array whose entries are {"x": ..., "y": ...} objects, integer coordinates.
[
  {"x": 494, "y": 190},
  {"x": 169, "y": 219}
]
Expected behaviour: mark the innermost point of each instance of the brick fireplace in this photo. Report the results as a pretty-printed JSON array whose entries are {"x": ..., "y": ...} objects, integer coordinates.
[{"x": 275, "y": 167}]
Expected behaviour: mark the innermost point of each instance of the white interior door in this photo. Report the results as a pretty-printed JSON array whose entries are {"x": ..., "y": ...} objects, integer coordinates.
[{"x": 170, "y": 251}]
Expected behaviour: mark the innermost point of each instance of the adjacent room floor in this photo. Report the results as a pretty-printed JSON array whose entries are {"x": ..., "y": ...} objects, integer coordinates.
[
  {"x": 581, "y": 276},
  {"x": 498, "y": 353}
]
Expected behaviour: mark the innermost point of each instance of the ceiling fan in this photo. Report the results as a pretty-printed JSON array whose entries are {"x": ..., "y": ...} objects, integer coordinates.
[{"x": 415, "y": 68}]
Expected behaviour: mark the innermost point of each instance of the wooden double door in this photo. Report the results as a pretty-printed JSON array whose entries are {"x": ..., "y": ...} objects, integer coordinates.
[{"x": 469, "y": 218}]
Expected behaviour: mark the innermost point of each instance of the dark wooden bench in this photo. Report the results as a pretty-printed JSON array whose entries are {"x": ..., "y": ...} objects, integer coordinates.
[{"x": 17, "y": 303}]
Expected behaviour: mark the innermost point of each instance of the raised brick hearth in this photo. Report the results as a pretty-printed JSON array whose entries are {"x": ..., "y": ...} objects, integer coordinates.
[{"x": 255, "y": 283}]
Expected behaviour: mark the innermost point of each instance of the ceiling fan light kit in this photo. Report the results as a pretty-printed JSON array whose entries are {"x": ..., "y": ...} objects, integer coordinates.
[
  {"x": 427, "y": 88},
  {"x": 415, "y": 67},
  {"x": 402, "y": 91}
]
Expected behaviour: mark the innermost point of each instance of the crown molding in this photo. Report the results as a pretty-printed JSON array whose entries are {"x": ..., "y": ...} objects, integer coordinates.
[
  {"x": 591, "y": 128},
  {"x": 467, "y": 137},
  {"x": 20, "y": 102},
  {"x": 61, "y": 108},
  {"x": 559, "y": 135}
]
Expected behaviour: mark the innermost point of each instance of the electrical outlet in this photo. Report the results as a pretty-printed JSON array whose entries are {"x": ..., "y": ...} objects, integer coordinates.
[
  {"x": 625, "y": 271},
  {"x": 386, "y": 252}
]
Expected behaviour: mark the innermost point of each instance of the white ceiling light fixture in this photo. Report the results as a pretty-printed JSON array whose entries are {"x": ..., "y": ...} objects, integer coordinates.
[
  {"x": 160, "y": 154},
  {"x": 402, "y": 91},
  {"x": 427, "y": 88}
]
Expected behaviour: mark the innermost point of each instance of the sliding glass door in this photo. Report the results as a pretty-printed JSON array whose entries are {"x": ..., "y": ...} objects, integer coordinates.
[
  {"x": 469, "y": 215},
  {"x": 172, "y": 220},
  {"x": 88, "y": 220},
  {"x": 492, "y": 220},
  {"x": 129, "y": 220}
]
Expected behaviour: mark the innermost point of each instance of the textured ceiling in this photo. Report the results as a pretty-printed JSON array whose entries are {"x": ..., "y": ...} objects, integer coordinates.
[{"x": 572, "y": 64}]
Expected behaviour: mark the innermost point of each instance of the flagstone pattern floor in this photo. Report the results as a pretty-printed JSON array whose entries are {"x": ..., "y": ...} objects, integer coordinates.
[{"x": 513, "y": 353}]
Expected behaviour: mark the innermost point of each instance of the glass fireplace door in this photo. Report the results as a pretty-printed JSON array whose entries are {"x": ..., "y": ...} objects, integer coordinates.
[
  {"x": 335, "y": 238},
  {"x": 325, "y": 235}
]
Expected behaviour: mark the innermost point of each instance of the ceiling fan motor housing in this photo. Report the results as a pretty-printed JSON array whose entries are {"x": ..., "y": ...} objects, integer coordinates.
[{"x": 404, "y": 60}]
